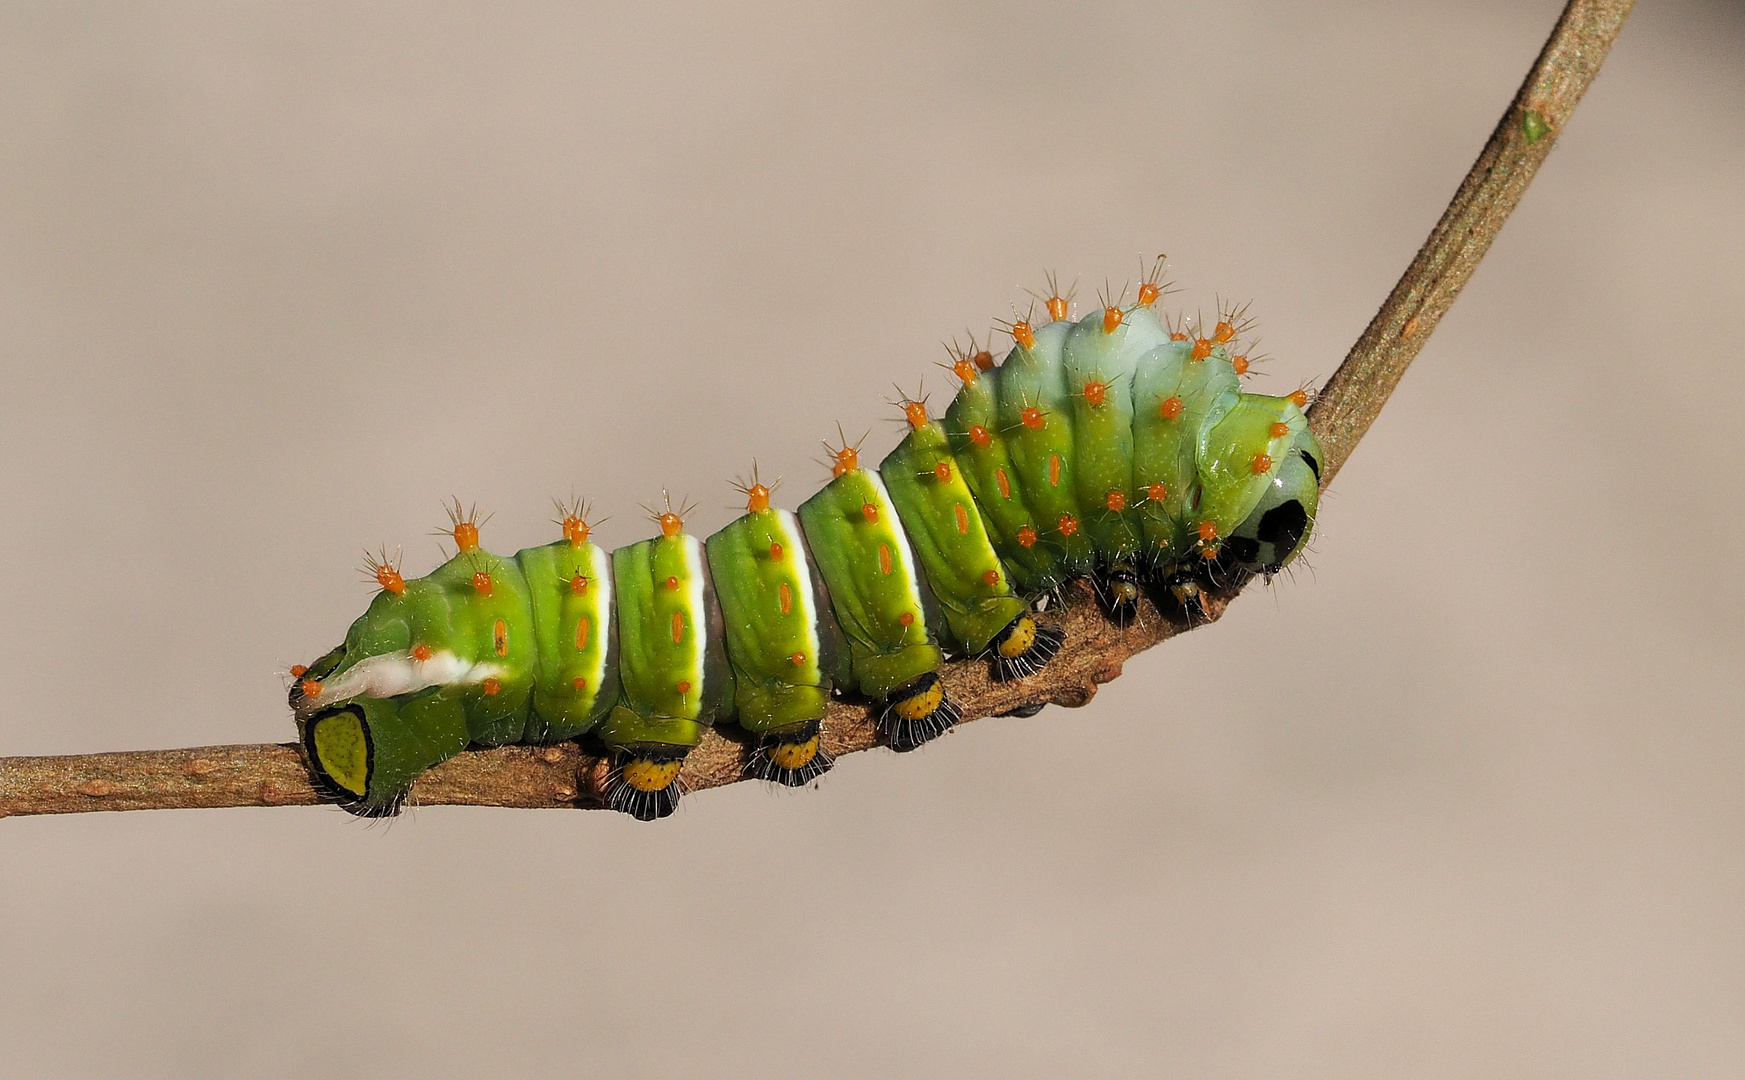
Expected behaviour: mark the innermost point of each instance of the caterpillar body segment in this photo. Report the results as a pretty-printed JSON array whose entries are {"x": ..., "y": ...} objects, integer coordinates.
[
  {"x": 979, "y": 445},
  {"x": 1111, "y": 447},
  {"x": 927, "y": 488},
  {"x": 786, "y": 651},
  {"x": 1035, "y": 416}
]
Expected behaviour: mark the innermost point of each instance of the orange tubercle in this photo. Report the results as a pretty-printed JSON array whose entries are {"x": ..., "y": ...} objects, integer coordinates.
[
  {"x": 907, "y": 618},
  {"x": 1111, "y": 319},
  {"x": 775, "y": 551},
  {"x": 1279, "y": 430},
  {"x": 1095, "y": 393},
  {"x": 1148, "y": 294},
  {"x": 1156, "y": 492},
  {"x": 491, "y": 687},
  {"x": 979, "y": 436},
  {"x": 578, "y": 584},
  {"x": 672, "y": 584},
  {"x": 1202, "y": 348},
  {"x": 1208, "y": 531},
  {"x": 1057, "y": 307},
  {"x": 942, "y": 472},
  {"x": 870, "y": 512},
  {"x": 1116, "y": 501},
  {"x": 1068, "y": 525},
  {"x": 756, "y": 499},
  {"x": 1223, "y": 332},
  {"x": 990, "y": 578},
  {"x": 1023, "y": 335},
  {"x": 1026, "y": 537},
  {"x": 671, "y": 525},
  {"x": 575, "y": 530},
  {"x": 1262, "y": 463},
  {"x": 965, "y": 369},
  {"x": 422, "y": 653},
  {"x": 579, "y": 683},
  {"x": 466, "y": 536},
  {"x": 847, "y": 460},
  {"x": 299, "y": 670},
  {"x": 1178, "y": 336},
  {"x": 389, "y": 578},
  {"x": 1170, "y": 409},
  {"x": 683, "y": 686},
  {"x": 311, "y": 688},
  {"x": 916, "y": 413},
  {"x": 1032, "y": 418},
  {"x": 1239, "y": 364},
  {"x": 798, "y": 659},
  {"x": 1300, "y": 398},
  {"x": 481, "y": 583},
  {"x": 984, "y": 360}
]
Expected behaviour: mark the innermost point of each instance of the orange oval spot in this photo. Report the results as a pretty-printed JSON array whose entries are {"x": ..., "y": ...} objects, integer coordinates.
[
  {"x": 578, "y": 584},
  {"x": 389, "y": 579},
  {"x": 1095, "y": 393},
  {"x": 1279, "y": 430},
  {"x": 1148, "y": 294},
  {"x": 575, "y": 530},
  {"x": 984, "y": 360},
  {"x": 491, "y": 687},
  {"x": 299, "y": 670},
  {"x": 466, "y": 536},
  {"x": 915, "y": 413},
  {"x": 583, "y": 625},
  {"x": 1003, "y": 482},
  {"x": 422, "y": 653},
  {"x": 1156, "y": 492},
  {"x": 1026, "y": 537},
  {"x": 671, "y": 525},
  {"x": 1054, "y": 470},
  {"x": 1057, "y": 308},
  {"x": 1223, "y": 332},
  {"x": 1299, "y": 398},
  {"x": 1068, "y": 525},
  {"x": 1111, "y": 319},
  {"x": 798, "y": 659},
  {"x": 979, "y": 435},
  {"x": 942, "y": 472},
  {"x": 1208, "y": 531},
  {"x": 500, "y": 637},
  {"x": 1032, "y": 418},
  {"x": 683, "y": 686},
  {"x": 678, "y": 627},
  {"x": 311, "y": 688},
  {"x": 1262, "y": 463},
  {"x": 1116, "y": 501},
  {"x": 1202, "y": 348},
  {"x": 870, "y": 512},
  {"x": 962, "y": 516},
  {"x": 1023, "y": 335},
  {"x": 775, "y": 552},
  {"x": 579, "y": 683},
  {"x": 785, "y": 597},
  {"x": 1170, "y": 409},
  {"x": 990, "y": 578},
  {"x": 482, "y": 583},
  {"x": 964, "y": 368},
  {"x": 885, "y": 559},
  {"x": 907, "y": 618},
  {"x": 756, "y": 499},
  {"x": 847, "y": 460},
  {"x": 1239, "y": 364},
  {"x": 672, "y": 584}
]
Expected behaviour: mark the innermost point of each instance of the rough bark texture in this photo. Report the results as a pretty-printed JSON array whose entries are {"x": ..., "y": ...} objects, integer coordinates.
[{"x": 564, "y": 776}]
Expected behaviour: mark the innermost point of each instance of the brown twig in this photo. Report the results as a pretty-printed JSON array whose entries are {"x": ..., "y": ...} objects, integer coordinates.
[{"x": 563, "y": 776}]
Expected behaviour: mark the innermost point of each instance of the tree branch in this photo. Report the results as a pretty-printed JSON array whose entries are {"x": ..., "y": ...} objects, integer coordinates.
[{"x": 564, "y": 776}]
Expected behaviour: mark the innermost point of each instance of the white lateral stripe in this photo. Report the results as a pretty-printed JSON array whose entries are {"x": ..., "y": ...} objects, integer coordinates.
[
  {"x": 694, "y": 600},
  {"x": 396, "y": 673},
  {"x": 792, "y": 539},
  {"x": 905, "y": 557},
  {"x": 601, "y": 566}
]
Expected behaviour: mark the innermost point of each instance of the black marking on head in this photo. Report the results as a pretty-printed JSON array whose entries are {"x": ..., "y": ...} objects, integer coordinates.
[
  {"x": 1242, "y": 549},
  {"x": 1283, "y": 526},
  {"x": 1314, "y": 466}
]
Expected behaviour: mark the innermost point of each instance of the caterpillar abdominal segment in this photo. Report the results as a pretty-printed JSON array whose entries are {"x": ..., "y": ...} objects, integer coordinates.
[{"x": 1119, "y": 448}]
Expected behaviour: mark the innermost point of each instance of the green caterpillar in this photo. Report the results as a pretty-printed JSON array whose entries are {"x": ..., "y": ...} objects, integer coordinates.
[{"x": 1114, "y": 448}]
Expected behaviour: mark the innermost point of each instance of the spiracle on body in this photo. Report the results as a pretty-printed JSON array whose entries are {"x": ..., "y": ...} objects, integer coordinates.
[{"x": 1116, "y": 447}]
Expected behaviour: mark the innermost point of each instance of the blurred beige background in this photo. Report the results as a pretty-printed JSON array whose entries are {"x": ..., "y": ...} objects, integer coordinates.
[{"x": 1466, "y": 799}]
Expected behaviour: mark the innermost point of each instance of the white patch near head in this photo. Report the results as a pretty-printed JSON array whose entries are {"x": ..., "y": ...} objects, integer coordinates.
[{"x": 396, "y": 673}]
